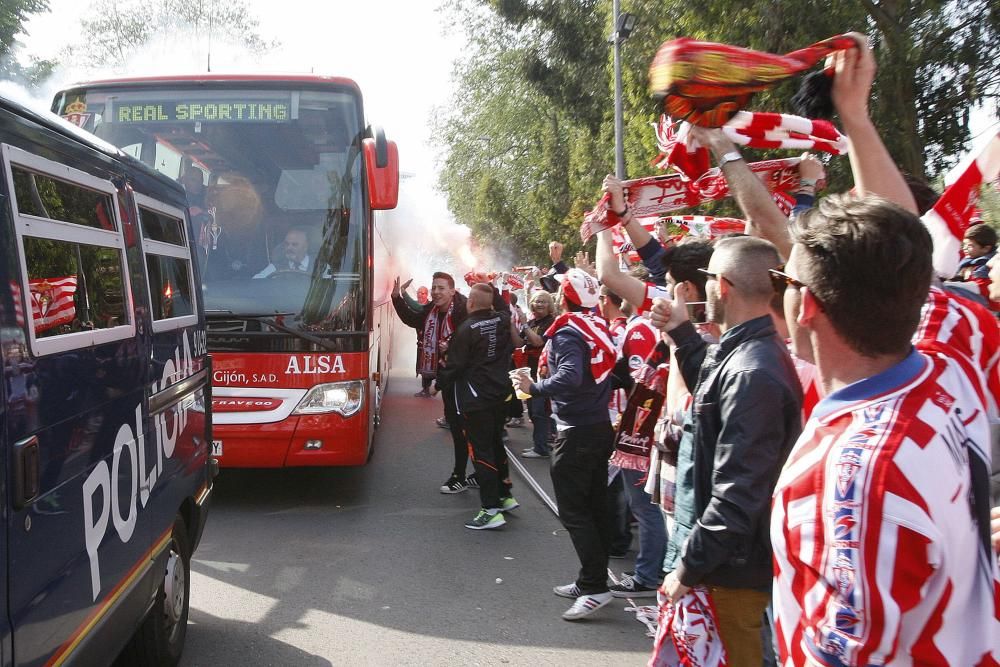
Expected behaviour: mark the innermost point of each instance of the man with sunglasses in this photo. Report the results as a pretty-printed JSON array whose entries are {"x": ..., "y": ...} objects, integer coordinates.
[
  {"x": 880, "y": 521},
  {"x": 744, "y": 418}
]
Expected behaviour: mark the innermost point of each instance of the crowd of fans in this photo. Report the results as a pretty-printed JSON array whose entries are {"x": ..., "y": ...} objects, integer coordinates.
[{"x": 801, "y": 417}]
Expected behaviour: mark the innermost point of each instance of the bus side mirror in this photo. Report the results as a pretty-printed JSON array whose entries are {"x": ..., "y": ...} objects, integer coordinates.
[{"x": 382, "y": 167}]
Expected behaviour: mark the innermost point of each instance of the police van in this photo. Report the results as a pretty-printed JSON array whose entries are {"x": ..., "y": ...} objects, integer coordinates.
[{"x": 105, "y": 412}]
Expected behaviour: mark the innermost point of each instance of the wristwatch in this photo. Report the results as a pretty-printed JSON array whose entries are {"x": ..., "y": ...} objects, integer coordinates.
[
  {"x": 807, "y": 182},
  {"x": 732, "y": 156}
]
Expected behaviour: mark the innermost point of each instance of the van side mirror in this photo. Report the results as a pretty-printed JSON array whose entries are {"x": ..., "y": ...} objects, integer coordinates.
[{"x": 382, "y": 168}]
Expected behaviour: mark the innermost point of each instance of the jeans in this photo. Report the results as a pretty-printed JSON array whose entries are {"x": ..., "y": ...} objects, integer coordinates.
[
  {"x": 455, "y": 425},
  {"x": 580, "y": 480},
  {"x": 621, "y": 531},
  {"x": 484, "y": 429},
  {"x": 541, "y": 422},
  {"x": 652, "y": 530}
]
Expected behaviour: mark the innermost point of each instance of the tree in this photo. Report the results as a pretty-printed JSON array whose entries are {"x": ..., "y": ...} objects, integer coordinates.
[
  {"x": 13, "y": 16},
  {"x": 522, "y": 131},
  {"x": 118, "y": 29},
  {"x": 540, "y": 69}
]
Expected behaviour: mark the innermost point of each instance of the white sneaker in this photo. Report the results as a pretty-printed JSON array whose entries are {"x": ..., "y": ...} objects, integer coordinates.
[
  {"x": 532, "y": 454},
  {"x": 586, "y": 605},
  {"x": 570, "y": 591}
]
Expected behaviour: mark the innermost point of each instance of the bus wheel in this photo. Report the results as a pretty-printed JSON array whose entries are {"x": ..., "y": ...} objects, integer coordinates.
[{"x": 159, "y": 641}]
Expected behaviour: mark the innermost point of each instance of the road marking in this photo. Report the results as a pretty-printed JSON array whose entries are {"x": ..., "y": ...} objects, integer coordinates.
[{"x": 532, "y": 482}]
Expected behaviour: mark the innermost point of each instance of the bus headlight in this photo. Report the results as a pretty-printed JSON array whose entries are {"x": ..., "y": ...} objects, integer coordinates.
[{"x": 344, "y": 398}]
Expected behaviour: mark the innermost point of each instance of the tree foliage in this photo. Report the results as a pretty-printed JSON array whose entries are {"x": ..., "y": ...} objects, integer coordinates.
[
  {"x": 14, "y": 14},
  {"x": 115, "y": 29},
  {"x": 539, "y": 73}
]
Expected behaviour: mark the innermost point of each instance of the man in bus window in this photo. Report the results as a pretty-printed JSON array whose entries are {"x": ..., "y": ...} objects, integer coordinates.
[{"x": 296, "y": 255}]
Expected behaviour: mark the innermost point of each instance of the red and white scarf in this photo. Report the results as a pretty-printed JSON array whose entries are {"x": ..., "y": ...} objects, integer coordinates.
[
  {"x": 707, "y": 83},
  {"x": 501, "y": 279},
  {"x": 436, "y": 328},
  {"x": 953, "y": 212},
  {"x": 595, "y": 331},
  {"x": 678, "y": 226},
  {"x": 688, "y": 632},
  {"x": 753, "y": 129},
  {"x": 636, "y": 431},
  {"x": 659, "y": 195}
]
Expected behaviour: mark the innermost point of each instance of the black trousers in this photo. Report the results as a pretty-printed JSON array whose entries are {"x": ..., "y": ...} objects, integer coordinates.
[
  {"x": 457, "y": 429},
  {"x": 580, "y": 479},
  {"x": 484, "y": 429}
]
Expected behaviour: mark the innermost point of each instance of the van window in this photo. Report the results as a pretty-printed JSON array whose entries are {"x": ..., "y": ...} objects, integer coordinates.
[
  {"x": 73, "y": 287},
  {"x": 73, "y": 275},
  {"x": 46, "y": 197},
  {"x": 172, "y": 290}
]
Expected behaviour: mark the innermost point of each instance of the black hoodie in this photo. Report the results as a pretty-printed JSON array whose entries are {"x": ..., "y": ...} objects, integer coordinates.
[{"x": 479, "y": 361}]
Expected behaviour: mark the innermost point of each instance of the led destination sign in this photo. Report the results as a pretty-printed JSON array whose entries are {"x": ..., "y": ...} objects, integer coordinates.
[{"x": 202, "y": 111}]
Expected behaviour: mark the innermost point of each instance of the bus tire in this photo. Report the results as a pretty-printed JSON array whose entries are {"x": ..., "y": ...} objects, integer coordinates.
[{"x": 159, "y": 641}]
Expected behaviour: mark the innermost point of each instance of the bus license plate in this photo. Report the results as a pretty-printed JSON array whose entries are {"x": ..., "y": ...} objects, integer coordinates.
[{"x": 216, "y": 448}]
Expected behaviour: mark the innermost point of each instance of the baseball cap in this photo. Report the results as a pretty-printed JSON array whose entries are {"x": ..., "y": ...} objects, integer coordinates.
[{"x": 581, "y": 288}]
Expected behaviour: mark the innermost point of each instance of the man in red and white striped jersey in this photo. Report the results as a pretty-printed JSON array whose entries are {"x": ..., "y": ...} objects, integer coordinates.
[{"x": 880, "y": 519}]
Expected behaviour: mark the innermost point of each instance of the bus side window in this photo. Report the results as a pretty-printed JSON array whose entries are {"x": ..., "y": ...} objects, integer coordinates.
[
  {"x": 77, "y": 290},
  {"x": 172, "y": 291}
]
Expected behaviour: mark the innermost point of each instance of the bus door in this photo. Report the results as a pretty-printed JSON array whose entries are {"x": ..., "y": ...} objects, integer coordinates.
[{"x": 77, "y": 544}]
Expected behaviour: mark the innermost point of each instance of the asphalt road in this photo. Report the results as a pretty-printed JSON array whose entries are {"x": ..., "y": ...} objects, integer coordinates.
[{"x": 373, "y": 565}]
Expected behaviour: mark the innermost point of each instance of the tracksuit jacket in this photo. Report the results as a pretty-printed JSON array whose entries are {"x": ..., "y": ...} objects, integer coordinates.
[{"x": 478, "y": 362}]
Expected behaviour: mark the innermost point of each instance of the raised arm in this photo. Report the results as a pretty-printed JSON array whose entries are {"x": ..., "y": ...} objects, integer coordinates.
[
  {"x": 627, "y": 287},
  {"x": 875, "y": 172},
  {"x": 764, "y": 218},
  {"x": 652, "y": 253}
]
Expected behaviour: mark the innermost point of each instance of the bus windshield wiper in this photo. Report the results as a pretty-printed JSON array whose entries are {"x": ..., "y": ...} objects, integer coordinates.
[{"x": 270, "y": 320}]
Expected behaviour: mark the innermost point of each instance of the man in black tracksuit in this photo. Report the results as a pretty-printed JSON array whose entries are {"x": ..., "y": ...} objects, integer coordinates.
[{"x": 476, "y": 371}]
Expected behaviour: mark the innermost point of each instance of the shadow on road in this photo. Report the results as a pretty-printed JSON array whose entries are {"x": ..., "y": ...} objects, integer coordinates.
[{"x": 331, "y": 559}]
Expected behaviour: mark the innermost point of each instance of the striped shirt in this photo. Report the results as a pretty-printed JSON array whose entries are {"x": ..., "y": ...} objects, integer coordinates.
[
  {"x": 878, "y": 558},
  {"x": 965, "y": 331}
]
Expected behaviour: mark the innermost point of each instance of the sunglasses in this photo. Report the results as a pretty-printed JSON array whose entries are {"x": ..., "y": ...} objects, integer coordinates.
[
  {"x": 782, "y": 280},
  {"x": 716, "y": 276}
]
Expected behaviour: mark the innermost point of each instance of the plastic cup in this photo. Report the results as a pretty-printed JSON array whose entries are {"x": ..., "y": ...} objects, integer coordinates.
[{"x": 515, "y": 379}]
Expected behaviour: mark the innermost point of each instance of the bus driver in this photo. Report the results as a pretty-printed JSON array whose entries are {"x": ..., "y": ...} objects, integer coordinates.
[{"x": 296, "y": 258}]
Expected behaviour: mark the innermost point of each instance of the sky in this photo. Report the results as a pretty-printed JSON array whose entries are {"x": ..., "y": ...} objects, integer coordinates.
[{"x": 397, "y": 51}]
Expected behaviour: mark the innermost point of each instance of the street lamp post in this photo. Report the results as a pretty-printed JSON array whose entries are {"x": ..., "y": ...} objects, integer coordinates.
[{"x": 623, "y": 25}]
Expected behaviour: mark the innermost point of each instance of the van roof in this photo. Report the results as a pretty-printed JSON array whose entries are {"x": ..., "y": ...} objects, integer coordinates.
[{"x": 71, "y": 131}]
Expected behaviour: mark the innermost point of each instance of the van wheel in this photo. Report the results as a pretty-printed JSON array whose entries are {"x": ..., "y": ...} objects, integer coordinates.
[{"x": 159, "y": 641}]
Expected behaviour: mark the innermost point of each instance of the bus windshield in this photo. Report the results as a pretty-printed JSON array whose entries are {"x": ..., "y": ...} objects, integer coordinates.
[{"x": 273, "y": 178}]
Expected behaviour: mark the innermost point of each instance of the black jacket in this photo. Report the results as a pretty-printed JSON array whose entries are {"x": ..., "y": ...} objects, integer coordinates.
[
  {"x": 479, "y": 361},
  {"x": 745, "y": 417}
]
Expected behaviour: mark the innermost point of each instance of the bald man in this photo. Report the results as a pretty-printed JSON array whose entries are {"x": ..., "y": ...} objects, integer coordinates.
[
  {"x": 744, "y": 419},
  {"x": 477, "y": 369}
]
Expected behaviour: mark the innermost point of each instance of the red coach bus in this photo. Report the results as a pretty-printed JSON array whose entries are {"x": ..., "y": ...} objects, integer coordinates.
[{"x": 284, "y": 178}]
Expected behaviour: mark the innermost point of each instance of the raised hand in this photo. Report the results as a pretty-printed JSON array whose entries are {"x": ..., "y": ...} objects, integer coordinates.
[
  {"x": 667, "y": 315},
  {"x": 854, "y": 72},
  {"x": 555, "y": 251},
  {"x": 613, "y": 186}
]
